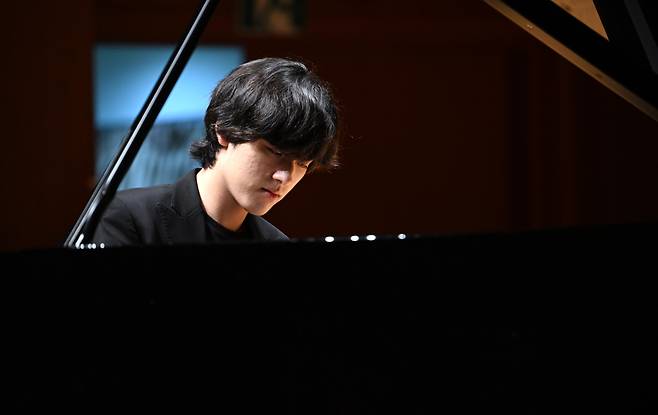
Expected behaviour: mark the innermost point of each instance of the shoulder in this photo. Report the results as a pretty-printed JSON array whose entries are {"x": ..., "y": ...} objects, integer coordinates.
[
  {"x": 142, "y": 215},
  {"x": 141, "y": 205},
  {"x": 129, "y": 217},
  {"x": 144, "y": 197},
  {"x": 182, "y": 194},
  {"x": 132, "y": 197}
]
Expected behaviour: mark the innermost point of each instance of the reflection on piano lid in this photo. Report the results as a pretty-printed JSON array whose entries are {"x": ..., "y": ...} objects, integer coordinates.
[
  {"x": 625, "y": 60},
  {"x": 327, "y": 239}
]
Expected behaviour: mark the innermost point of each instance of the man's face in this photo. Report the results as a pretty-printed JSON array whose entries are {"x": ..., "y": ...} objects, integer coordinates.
[{"x": 258, "y": 175}]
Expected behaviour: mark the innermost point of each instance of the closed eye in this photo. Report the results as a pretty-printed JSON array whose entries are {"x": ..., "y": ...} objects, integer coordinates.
[
  {"x": 276, "y": 153},
  {"x": 303, "y": 164}
]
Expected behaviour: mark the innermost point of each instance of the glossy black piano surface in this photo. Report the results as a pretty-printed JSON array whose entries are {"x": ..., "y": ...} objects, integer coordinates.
[{"x": 545, "y": 321}]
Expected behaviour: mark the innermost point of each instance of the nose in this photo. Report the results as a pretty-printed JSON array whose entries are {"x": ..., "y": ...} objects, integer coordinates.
[{"x": 282, "y": 175}]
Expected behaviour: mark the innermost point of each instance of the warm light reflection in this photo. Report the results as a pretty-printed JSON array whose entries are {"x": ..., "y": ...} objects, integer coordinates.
[{"x": 585, "y": 11}]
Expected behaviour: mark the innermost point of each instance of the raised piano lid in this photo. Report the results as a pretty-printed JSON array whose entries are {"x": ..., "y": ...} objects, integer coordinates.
[{"x": 614, "y": 41}]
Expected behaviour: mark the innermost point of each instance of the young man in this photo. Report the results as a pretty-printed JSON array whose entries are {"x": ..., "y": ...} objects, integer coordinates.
[{"x": 269, "y": 123}]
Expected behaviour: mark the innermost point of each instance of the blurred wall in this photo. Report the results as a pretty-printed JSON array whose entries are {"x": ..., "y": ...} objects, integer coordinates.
[
  {"x": 454, "y": 120},
  {"x": 46, "y": 164}
]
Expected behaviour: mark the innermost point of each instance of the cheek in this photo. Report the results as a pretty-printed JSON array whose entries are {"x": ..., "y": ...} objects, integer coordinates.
[
  {"x": 251, "y": 169},
  {"x": 257, "y": 164}
]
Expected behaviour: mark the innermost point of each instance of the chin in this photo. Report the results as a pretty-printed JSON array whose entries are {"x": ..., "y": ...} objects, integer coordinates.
[{"x": 259, "y": 210}]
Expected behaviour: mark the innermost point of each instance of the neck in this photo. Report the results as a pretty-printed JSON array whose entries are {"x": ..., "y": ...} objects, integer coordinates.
[{"x": 217, "y": 201}]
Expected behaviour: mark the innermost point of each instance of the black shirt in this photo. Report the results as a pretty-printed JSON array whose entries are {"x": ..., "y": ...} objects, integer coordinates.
[{"x": 218, "y": 233}]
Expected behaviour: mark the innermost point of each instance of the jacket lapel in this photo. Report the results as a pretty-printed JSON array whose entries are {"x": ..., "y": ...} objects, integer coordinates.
[{"x": 183, "y": 219}]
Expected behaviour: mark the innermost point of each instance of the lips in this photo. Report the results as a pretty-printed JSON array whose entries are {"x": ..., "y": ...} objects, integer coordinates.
[{"x": 272, "y": 193}]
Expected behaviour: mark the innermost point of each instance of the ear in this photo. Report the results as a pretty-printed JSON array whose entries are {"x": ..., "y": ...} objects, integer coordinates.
[{"x": 222, "y": 141}]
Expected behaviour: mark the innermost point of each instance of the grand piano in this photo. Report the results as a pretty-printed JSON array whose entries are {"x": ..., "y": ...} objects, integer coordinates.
[{"x": 536, "y": 321}]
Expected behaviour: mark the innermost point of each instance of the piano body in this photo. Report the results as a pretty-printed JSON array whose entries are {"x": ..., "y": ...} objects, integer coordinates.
[{"x": 524, "y": 322}]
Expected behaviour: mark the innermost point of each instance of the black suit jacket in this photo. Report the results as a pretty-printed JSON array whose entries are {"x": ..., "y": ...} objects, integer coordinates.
[{"x": 165, "y": 215}]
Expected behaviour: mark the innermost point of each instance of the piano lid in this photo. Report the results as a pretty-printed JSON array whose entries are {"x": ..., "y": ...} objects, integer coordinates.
[{"x": 613, "y": 41}]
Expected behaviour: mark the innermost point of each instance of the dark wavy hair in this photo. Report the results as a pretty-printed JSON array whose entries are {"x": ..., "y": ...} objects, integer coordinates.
[{"x": 279, "y": 100}]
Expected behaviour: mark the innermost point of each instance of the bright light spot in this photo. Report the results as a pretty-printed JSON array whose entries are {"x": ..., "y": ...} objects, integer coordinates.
[
  {"x": 371, "y": 237},
  {"x": 354, "y": 238},
  {"x": 329, "y": 238},
  {"x": 402, "y": 236}
]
